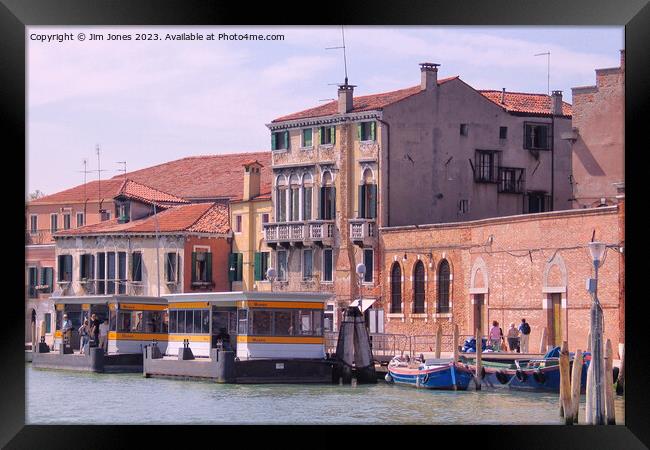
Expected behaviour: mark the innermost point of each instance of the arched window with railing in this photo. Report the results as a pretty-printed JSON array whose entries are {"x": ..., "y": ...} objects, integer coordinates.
[
  {"x": 367, "y": 196},
  {"x": 443, "y": 287},
  {"x": 418, "y": 288},
  {"x": 396, "y": 289}
]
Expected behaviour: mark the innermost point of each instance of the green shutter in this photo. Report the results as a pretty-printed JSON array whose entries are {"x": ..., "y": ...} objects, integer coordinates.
[
  {"x": 194, "y": 266},
  {"x": 359, "y": 131},
  {"x": 321, "y": 211},
  {"x": 333, "y": 203},
  {"x": 373, "y": 127},
  {"x": 332, "y": 135},
  {"x": 232, "y": 267},
  {"x": 240, "y": 266},
  {"x": 372, "y": 207},
  {"x": 286, "y": 139},
  {"x": 274, "y": 141},
  {"x": 208, "y": 263},
  {"x": 258, "y": 266},
  {"x": 362, "y": 201}
]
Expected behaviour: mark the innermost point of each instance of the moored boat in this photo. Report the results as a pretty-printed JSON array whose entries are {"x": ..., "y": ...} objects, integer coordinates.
[{"x": 432, "y": 374}]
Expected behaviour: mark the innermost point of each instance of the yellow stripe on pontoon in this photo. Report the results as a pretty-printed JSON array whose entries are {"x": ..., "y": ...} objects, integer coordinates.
[
  {"x": 191, "y": 337},
  {"x": 289, "y": 305},
  {"x": 280, "y": 340},
  {"x": 142, "y": 307},
  {"x": 137, "y": 336},
  {"x": 189, "y": 305}
]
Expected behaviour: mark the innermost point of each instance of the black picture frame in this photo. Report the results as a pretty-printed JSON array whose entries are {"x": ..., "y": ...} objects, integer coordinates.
[{"x": 16, "y": 14}]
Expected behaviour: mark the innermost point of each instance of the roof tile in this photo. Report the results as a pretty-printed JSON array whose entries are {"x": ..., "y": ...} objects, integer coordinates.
[{"x": 521, "y": 102}]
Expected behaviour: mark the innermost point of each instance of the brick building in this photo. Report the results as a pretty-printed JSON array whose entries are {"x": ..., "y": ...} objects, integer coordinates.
[{"x": 527, "y": 266}]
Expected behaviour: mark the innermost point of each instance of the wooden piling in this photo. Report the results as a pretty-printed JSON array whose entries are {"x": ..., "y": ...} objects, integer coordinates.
[
  {"x": 576, "y": 379},
  {"x": 620, "y": 382},
  {"x": 542, "y": 342},
  {"x": 565, "y": 385},
  {"x": 455, "y": 342},
  {"x": 479, "y": 351},
  {"x": 589, "y": 397},
  {"x": 589, "y": 342},
  {"x": 610, "y": 413},
  {"x": 438, "y": 341}
]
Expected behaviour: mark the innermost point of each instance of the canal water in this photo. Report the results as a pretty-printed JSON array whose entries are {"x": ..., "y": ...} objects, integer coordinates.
[{"x": 60, "y": 397}]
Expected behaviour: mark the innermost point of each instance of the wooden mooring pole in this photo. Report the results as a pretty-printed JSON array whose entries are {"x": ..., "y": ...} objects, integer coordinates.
[
  {"x": 542, "y": 342},
  {"x": 565, "y": 385},
  {"x": 576, "y": 380},
  {"x": 455, "y": 344},
  {"x": 620, "y": 383},
  {"x": 610, "y": 413},
  {"x": 438, "y": 341},
  {"x": 479, "y": 351}
]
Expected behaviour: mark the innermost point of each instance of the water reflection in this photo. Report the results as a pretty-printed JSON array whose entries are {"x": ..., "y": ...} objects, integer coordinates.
[{"x": 133, "y": 399}]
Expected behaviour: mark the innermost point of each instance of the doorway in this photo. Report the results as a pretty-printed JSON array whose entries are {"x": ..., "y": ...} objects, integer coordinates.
[
  {"x": 479, "y": 312},
  {"x": 555, "y": 322}
]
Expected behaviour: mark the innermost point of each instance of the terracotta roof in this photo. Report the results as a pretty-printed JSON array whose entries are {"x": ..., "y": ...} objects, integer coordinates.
[
  {"x": 194, "y": 217},
  {"x": 204, "y": 177},
  {"x": 364, "y": 103},
  {"x": 109, "y": 189},
  {"x": 134, "y": 190},
  {"x": 521, "y": 102}
]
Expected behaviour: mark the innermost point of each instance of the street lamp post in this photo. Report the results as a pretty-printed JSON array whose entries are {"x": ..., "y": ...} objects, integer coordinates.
[
  {"x": 597, "y": 252},
  {"x": 361, "y": 271},
  {"x": 271, "y": 275}
]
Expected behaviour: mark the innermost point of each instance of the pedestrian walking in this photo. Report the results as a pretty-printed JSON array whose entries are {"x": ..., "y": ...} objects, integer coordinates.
[
  {"x": 524, "y": 329},
  {"x": 496, "y": 335},
  {"x": 513, "y": 338}
]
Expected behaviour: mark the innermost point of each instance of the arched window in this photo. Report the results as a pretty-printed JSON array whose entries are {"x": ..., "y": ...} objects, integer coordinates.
[
  {"x": 294, "y": 198},
  {"x": 443, "y": 287},
  {"x": 367, "y": 196},
  {"x": 307, "y": 193},
  {"x": 418, "y": 288},
  {"x": 281, "y": 197},
  {"x": 396, "y": 289},
  {"x": 327, "y": 198}
]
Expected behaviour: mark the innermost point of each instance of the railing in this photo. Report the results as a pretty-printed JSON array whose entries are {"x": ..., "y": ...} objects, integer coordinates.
[
  {"x": 298, "y": 231},
  {"x": 361, "y": 229},
  {"x": 36, "y": 237},
  {"x": 320, "y": 230}
]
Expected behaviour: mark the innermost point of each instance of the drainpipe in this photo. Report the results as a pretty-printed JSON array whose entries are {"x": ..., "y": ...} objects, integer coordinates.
[{"x": 387, "y": 199}]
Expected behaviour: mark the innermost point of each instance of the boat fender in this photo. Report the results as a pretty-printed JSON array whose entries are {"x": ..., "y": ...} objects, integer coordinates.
[
  {"x": 615, "y": 372},
  {"x": 388, "y": 378},
  {"x": 502, "y": 377},
  {"x": 521, "y": 375},
  {"x": 539, "y": 376}
]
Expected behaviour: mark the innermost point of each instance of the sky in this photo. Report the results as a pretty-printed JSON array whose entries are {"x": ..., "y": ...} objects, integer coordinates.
[{"x": 148, "y": 102}]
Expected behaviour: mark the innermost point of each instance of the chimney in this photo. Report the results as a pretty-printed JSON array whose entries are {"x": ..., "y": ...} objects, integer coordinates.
[
  {"x": 503, "y": 96},
  {"x": 345, "y": 97},
  {"x": 252, "y": 170},
  {"x": 428, "y": 75},
  {"x": 557, "y": 103}
]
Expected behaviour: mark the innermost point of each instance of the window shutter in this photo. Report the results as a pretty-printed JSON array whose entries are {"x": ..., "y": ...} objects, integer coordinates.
[
  {"x": 258, "y": 266},
  {"x": 332, "y": 135},
  {"x": 286, "y": 139},
  {"x": 194, "y": 266},
  {"x": 177, "y": 259},
  {"x": 232, "y": 267},
  {"x": 43, "y": 275},
  {"x": 362, "y": 201},
  {"x": 274, "y": 141},
  {"x": 543, "y": 137},
  {"x": 373, "y": 130},
  {"x": 372, "y": 207},
  {"x": 527, "y": 136},
  {"x": 50, "y": 279},
  {"x": 208, "y": 264},
  {"x": 359, "y": 131},
  {"x": 240, "y": 266},
  {"x": 333, "y": 203},
  {"x": 321, "y": 211}
]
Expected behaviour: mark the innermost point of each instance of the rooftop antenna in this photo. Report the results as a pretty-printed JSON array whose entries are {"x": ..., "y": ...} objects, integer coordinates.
[
  {"x": 548, "y": 70},
  {"x": 345, "y": 61},
  {"x": 99, "y": 176},
  {"x": 123, "y": 170},
  {"x": 85, "y": 172}
]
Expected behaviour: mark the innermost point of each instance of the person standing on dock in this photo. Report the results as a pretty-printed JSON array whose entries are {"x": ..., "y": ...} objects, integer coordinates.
[
  {"x": 66, "y": 328},
  {"x": 84, "y": 334},
  {"x": 513, "y": 338},
  {"x": 94, "y": 329},
  {"x": 103, "y": 335},
  {"x": 524, "y": 328},
  {"x": 496, "y": 335}
]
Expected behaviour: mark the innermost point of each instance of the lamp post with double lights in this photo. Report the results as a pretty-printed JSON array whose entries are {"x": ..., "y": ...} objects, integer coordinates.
[{"x": 597, "y": 253}]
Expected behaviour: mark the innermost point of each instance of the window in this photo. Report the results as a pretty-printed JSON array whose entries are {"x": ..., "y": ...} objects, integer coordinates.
[
  {"x": 171, "y": 267},
  {"x": 238, "y": 223},
  {"x": 235, "y": 266},
  {"x": 307, "y": 140},
  {"x": 66, "y": 221},
  {"x": 201, "y": 266},
  {"x": 307, "y": 193},
  {"x": 282, "y": 323},
  {"x": 366, "y": 131},
  {"x": 282, "y": 265},
  {"x": 33, "y": 223},
  {"x": 511, "y": 180},
  {"x": 101, "y": 273},
  {"x": 141, "y": 322},
  {"x": 123, "y": 212},
  {"x": 367, "y": 197},
  {"x": 33, "y": 282},
  {"x": 536, "y": 136},
  {"x": 53, "y": 223},
  {"x": 280, "y": 140},
  {"x": 47, "y": 318},
  {"x": 260, "y": 322},
  {"x": 110, "y": 272},
  {"x": 307, "y": 264},
  {"x": 328, "y": 318},
  {"x": 242, "y": 319},
  {"x": 80, "y": 219},
  {"x": 294, "y": 198},
  {"x": 281, "y": 203},
  {"x": 503, "y": 132},
  {"x": 487, "y": 163},
  {"x": 328, "y": 198},
  {"x": 47, "y": 278},
  {"x": 261, "y": 265},
  {"x": 136, "y": 266},
  {"x": 265, "y": 218},
  {"x": 418, "y": 288},
  {"x": 463, "y": 129},
  {"x": 396, "y": 289},
  {"x": 536, "y": 202},
  {"x": 86, "y": 266},
  {"x": 327, "y": 135},
  {"x": 443, "y": 287},
  {"x": 368, "y": 256},
  {"x": 463, "y": 206},
  {"x": 121, "y": 270},
  {"x": 328, "y": 264},
  {"x": 104, "y": 215},
  {"x": 65, "y": 268}
]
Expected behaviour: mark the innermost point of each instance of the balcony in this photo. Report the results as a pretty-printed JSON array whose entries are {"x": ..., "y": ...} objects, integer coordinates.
[
  {"x": 363, "y": 232},
  {"x": 299, "y": 233},
  {"x": 38, "y": 237}
]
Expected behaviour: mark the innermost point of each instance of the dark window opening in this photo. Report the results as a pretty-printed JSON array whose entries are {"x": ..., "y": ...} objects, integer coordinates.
[
  {"x": 463, "y": 129},
  {"x": 65, "y": 268},
  {"x": 280, "y": 140},
  {"x": 486, "y": 166},
  {"x": 511, "y": 180},
  {"x": 418, "y": 288},
  {"x": 443, "y": 287},
  {"x": 536, "y": 136},
  {"x": 368, "y": 260},
  {"x": 396, "y": 289},
  {"x": 201, "y": 267},
  {"x": 503, "y": 132},
  {"x": 366, "y": 131}
]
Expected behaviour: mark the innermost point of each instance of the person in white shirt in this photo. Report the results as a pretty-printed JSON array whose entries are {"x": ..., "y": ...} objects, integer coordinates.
[{"x": 103, "y": 335}]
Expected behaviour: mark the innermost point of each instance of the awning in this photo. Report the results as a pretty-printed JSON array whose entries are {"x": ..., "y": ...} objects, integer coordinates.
[{"x": 365, "y": 303}]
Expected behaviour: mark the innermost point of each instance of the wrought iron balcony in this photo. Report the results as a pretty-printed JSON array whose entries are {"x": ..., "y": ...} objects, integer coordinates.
[
  {"x": 363, "y": 232},
  {"x": 299, "y": 233}
]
